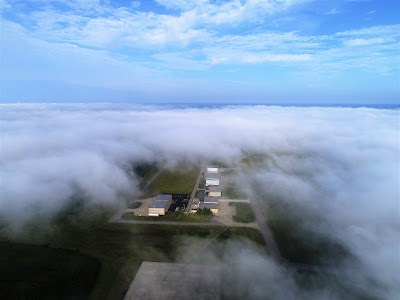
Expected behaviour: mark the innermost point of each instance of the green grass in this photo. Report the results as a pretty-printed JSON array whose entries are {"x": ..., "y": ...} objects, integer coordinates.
[
  {"x": 180, "y": 181},
  {"x": 202, "y": 183},
  {"x": 244, "y": 212},
  {"x": 53, "y": 273},
  {"x": 169, "y": 217},
  {"x": 135, "y": 205},
  {"x": 298, "y": 244}
]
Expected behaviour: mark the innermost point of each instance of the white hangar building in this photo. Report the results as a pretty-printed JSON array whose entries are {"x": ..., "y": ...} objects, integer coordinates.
[
  {"x": 212, "y": 179},
  {"x": 212, "y": 169}
]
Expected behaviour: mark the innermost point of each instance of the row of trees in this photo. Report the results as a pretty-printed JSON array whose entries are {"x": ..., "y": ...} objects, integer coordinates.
[{"x": 204, "y": 211}]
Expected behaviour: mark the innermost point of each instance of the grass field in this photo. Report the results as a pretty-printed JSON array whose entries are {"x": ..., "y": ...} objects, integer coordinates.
[
  {"x": 244, "y": 212},
  {"x": 145, "y": 171},
  {"x": 298, "y": 235},
  {"x": 180, "y": 181},
  {"x": 53, "y": 273},
  {"x": 169, "y": 217},
  {"x": 300, "y": 245}
]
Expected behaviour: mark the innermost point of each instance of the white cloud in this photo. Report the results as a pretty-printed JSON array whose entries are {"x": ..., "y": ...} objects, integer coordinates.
[
  {"x": 134, "y": 38},
  {"x": 364, "y": 42},
  {"x": 255, "y": 58},
  {"x": 182, "y": 4},
  {"x": 333, "y": 11},
  {"x": 384, "y": 30}
]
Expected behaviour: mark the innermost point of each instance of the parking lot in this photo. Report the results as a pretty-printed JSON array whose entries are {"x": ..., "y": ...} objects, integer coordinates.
[{"x": 178, "y": 200}]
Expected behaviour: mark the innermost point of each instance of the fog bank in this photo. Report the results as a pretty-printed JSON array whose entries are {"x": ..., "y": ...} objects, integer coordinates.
[{"x": 340, "y": 164}]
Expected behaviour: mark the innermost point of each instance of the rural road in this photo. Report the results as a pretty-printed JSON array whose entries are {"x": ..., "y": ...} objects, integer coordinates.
[
  {"x": 193, "y": 194},
  {"x": 210, "y": 223},
  {"x": 150, "y": 181}
]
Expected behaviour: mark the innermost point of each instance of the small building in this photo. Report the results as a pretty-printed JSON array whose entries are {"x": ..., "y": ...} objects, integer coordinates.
[
  {"x": 212, "y": 169},
  {"x": 212, "y": 206},
  {"x": 160, "y": 205},
  {"x": 209, "y": 199},
  {"x": 214, "y": 191},
  {"x": 212, "y": 179}
]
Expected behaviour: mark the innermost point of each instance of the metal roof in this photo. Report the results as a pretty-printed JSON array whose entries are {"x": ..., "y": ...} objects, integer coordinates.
[
  {"x": 208, "y": 205},
  {"x": 208, "y": 199},
  {"x": 215, "y": 189},
  {"x": 216, "y": 167},
  {"x": 212, "y": 176},
  {"x": 161, "y": 201},
  {"x": 163, "y": 197}
]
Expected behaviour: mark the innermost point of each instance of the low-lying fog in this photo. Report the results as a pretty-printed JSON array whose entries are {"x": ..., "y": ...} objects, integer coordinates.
[{"x": 339, "y": 164}]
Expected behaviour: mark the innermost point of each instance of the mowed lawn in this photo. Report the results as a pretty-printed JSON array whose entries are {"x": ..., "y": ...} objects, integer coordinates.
[
  {"x": 179, "y": 181},
  {"x": 34, "y": 272}
]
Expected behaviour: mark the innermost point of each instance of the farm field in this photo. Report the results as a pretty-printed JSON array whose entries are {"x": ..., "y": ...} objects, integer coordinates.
[{"x": 34, "y": 272}]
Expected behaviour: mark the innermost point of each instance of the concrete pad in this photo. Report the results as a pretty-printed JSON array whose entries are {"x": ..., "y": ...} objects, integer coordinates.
[
  {"x": 226, "y": 213},
  {"x": 175, "y": 281},
  {"x": 143, "y": 210}
]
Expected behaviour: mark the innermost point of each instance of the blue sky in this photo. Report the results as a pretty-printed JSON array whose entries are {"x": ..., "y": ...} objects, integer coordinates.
[{"x": 271, "y": 51}]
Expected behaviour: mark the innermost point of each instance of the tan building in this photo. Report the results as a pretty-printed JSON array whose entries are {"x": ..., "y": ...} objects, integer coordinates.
[
  {"x": 214, "y": 191},
  {"x": 212, "y": 206},
  {"x": 160, "y": 205}
]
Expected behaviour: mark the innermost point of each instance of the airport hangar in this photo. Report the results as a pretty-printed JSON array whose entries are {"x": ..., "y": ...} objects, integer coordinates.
[
  {"x": 160, "y": 205},
  {"x": 212, "y": 178},
  {"x": 211, "y": 203},
  {"x": 212, "y": 175}
]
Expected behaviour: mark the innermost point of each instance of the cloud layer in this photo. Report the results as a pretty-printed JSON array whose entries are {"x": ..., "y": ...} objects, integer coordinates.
[{"x": 341, "y": 164}]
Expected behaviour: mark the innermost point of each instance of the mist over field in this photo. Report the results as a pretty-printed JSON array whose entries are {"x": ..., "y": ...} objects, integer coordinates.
[{"x": 340, "y": 165}]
